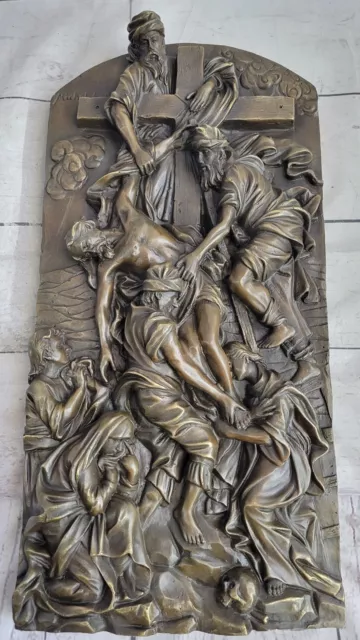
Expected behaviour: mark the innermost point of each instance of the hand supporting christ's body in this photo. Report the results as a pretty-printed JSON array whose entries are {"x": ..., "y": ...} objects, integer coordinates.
[
  {"x": 138, "y": 245},
  {"x": 159, "y": 371},
  {"x": 274, "y": 227}
]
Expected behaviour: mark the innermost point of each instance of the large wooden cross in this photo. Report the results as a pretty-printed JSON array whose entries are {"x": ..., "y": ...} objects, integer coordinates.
[{"x": 256, "y": 113}]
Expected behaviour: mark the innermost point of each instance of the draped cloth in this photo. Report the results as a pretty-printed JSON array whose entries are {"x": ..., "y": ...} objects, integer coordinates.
[
  {"x": 159, "y": 393},
  {"x": 112, "y": 540},
  {"x": 277, "y": 222},
  {"x": 47, "y": 425},
  {"x": 296, "y": 158},
  {"x": 270, "y": 505},
  {"x": 157, "y": 191}
]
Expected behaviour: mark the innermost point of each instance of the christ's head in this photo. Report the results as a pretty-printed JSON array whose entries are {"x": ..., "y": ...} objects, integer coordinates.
[
  {"x": 86, "y": 241},
  {"x": 147, "y": 42},
  {"x": 211, "y": 151}
]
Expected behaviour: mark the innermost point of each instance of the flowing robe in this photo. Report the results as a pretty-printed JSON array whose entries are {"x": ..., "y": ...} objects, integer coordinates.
[
  {"x": 277, "y": 225},
  {"x": 269, "y": 500},
  {"x": 46, "y": 423},
  {"x": 160, "y": 396},
  {"x": 157, "y": 190},
  {"x": 102, "y": 550}
]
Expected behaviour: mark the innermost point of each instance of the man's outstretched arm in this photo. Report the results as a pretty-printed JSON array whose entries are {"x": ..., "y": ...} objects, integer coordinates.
[
  {"x": 106, "y": 282},
  {"x": 124, "y": 125},
  {"x": 189, "y": 264}
]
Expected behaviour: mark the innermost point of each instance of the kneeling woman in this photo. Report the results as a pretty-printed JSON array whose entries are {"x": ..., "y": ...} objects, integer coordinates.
[{"x": 88, "y": 537}]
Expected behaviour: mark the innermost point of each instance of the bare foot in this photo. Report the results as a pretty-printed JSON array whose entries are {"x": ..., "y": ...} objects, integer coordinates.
[
  {"x": 275, "y": 587},
  {"x": 278, "y": 336},
  {"x": 189, "y": 528}
]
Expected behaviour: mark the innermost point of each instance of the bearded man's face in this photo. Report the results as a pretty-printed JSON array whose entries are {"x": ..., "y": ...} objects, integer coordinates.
[
  {"x": 93, "y": 243},
  {"x": 211, "y": 164},
  {"x": 152, "y": 52}
]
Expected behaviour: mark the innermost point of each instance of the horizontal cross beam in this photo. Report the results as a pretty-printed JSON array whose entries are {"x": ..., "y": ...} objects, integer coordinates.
[
  {"x": 91, "y": 113},
  {"x": 257, "y": 112},
  {"x": 261, "y": 112}
]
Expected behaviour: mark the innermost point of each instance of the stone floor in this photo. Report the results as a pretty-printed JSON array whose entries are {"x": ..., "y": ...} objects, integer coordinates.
[{"x": 43, "y": 45}]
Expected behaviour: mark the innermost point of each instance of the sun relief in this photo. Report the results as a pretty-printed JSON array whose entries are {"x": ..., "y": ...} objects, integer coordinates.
[{"x": 179, "y": 465}]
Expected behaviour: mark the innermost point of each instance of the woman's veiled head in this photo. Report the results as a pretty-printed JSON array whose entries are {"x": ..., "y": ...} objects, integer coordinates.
[{"x": 113, "y": 426}]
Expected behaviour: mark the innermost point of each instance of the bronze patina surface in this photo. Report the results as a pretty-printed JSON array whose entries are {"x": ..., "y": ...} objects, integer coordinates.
[{"x": 179, "y": 462}]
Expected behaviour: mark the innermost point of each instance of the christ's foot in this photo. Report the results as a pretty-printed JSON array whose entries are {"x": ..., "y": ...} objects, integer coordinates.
[
  {"x": 277, "y": 337},
  {"x": 275, "y": 587},
  {"x": 189, "y": 528}
]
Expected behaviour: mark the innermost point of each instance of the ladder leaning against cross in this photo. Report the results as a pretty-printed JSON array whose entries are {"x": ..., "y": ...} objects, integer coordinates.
[{"x": 248, "y": 112}]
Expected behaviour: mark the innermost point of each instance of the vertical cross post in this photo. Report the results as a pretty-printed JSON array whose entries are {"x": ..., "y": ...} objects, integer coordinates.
[{"x": 257, "y": 113}]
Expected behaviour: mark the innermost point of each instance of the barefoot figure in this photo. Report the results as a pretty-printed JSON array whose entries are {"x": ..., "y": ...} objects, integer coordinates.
[
  {"x": 152, "y": 73},
  {"x": 272, "y": 505},
  {"x": 272, "y": 227},
  {"x": 158, "y": 368}
]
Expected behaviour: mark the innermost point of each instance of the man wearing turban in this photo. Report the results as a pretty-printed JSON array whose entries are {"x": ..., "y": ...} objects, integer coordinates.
[
  {"x": 155, "y": 384},
  {"x": 151, "y": 72},
  {"x": 271, "y": 227}
]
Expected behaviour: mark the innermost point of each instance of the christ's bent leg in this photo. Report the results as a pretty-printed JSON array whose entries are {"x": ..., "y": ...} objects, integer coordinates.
[
  {"x": 209, "y": 322},
  {"x": 257, "y": 297},
  {"x": 190, "y": 338}
]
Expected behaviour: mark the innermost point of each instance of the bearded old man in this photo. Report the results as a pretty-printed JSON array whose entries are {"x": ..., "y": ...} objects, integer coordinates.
[
  {"x": 152, "y": 72},
  {"x": 271, "y": 226}
]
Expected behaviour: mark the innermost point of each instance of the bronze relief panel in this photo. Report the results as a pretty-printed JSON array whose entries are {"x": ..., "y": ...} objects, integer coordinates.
[{"x": 179, "y": 465}]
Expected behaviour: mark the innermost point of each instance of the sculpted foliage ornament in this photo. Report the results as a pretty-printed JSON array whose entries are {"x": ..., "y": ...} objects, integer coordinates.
[{"x": 178, "y": 451}]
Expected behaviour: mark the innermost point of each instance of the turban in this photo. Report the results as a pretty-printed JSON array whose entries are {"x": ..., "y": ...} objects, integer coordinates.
[
  {"x": 207, "y": 137},
  {"x": 144, "y": 22},
  {"x": 163, "y": 277}
]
